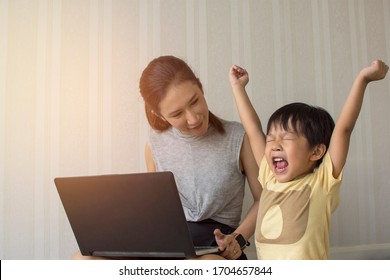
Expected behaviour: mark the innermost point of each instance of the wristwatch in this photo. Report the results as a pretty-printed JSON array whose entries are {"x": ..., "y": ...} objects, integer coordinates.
[{"x": 241, "y": 241}]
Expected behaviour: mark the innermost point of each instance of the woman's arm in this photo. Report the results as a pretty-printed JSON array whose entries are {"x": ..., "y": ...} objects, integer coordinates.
[{"x": 150, "y": 165}]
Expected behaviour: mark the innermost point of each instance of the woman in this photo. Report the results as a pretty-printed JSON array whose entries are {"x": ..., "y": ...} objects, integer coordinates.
[{"x": 209, "y": 157}]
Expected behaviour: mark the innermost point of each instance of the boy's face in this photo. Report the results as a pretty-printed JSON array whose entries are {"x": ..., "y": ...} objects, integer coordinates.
[{"x": 288, "y": 154}]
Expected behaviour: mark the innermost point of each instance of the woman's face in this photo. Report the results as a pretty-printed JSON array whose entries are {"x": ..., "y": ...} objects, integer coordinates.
[{"x": 185, "y": 108}]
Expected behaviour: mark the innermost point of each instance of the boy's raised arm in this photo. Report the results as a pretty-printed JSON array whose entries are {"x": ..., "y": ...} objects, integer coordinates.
[
  {"x": 339, "y": 144},
  {"x": 239, "y": 79}
]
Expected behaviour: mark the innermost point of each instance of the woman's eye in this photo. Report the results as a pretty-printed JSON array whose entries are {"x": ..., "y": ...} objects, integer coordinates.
[
  {"x": 194, "y": 102},
  {"x": 176, "y": 115}
]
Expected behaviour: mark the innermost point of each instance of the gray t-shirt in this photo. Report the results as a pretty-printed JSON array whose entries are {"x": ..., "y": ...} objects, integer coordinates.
[{"x": 206, "y": 170}]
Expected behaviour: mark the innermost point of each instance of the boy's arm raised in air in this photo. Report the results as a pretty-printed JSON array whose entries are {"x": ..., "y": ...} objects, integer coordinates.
[
  {"x": 339, "y": 144},
  {"x": 239, "y": 78}
]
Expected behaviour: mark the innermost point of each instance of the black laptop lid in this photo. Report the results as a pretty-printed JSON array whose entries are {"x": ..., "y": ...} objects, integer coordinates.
[{"x": 129, "y": 215}]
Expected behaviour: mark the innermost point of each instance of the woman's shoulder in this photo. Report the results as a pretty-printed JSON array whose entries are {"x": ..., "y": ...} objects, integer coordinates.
[
  {"x": 233, "y": 126},
  {"x": 158, "y": 135}
]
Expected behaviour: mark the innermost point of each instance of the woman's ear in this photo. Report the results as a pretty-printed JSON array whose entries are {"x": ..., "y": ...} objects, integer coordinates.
[{"x": 318, "y": 152}]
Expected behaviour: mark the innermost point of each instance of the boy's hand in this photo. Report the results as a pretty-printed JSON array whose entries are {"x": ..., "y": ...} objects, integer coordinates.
[
  {"x": 238, "y": 76},
  {"x": 376, "y": 71},
  {"x": 228, "y": 245}
]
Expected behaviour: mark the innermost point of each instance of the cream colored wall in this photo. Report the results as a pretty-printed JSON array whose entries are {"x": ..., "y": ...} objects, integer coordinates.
[{"x": 69, "y": 101}]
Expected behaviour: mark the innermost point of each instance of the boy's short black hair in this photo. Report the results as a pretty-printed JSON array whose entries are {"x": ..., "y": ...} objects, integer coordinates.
[{"x": 315, "y": 123}]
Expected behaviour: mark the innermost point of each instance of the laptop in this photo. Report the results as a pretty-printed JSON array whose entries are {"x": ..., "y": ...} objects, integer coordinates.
[{"x": 137, "y": 215}]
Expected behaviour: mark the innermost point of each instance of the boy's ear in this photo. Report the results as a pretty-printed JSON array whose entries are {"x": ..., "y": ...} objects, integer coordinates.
[{"x": 318, "y": 152}]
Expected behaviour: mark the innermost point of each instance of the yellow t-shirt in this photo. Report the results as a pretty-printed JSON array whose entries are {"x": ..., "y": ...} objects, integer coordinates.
[{"x": 294, "y": 217}]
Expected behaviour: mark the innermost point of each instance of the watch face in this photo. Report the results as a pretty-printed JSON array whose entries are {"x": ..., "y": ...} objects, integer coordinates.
[{"x": 240, "y": 239}]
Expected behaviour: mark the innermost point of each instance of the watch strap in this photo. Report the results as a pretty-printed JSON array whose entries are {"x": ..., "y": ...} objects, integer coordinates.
[{"x": 241, "y": 241}]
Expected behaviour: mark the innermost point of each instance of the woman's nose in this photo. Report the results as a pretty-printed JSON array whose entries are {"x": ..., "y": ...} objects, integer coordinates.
[{"x": 191, "y": 117}]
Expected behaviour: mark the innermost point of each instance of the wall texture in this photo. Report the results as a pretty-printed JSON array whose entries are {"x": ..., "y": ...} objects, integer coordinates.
[{"x": 69, "y": 100}]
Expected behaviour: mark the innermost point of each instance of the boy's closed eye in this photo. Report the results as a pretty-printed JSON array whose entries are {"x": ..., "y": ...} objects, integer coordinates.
[
  {"x": 269, "y": 139},
  {"x": 290, "y": 136},
  {"x": 285, "y": 136}
]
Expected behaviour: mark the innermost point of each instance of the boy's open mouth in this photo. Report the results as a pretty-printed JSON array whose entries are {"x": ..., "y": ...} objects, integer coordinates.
[{"x": 280, "y": 164}]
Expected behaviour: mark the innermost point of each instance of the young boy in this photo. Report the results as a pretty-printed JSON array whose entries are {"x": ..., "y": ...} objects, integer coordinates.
[{"x": 301, "y": 159}]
